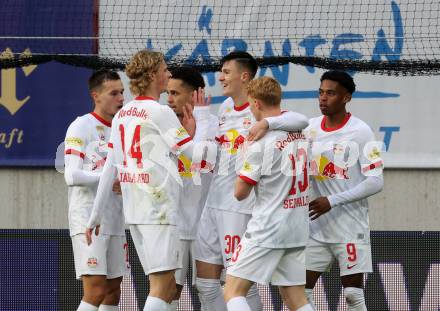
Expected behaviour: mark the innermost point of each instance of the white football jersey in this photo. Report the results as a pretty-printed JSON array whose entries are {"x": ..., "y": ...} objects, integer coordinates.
[
  {"x": 146, "y": 138},
  {"x": 234, "y": 125},
  {"x": 87, "y": 139},
  {"x": 277, "y": 164},
  {"x": 195, "y": 191},
  {"x": 342, "y": 158}
]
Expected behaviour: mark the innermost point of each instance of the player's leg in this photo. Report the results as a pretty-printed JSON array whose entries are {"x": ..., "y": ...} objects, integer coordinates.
[
  {"x": 118, "y": 265},
  {"x": 295, "y": 298},
  {"x": 236, "y": 290},
  {"x": 319, "y": 258},
  {"x": 91, "y": 268},
  {"x": 232, "y": 226},
  {"x": 354, "y": 260},
  {"x": 353, "y": 291},
  {"x": 209, "y": 262},
  {"x": 158, "y": 248},
  {"x": 94, "y": 288},
  {"x": 290, "y": 276},
  {"x": 181, "y": 274},
  {"x": 112, "y": 295}
]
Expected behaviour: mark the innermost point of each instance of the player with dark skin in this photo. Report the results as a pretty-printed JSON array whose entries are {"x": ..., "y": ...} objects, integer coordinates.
[{"x": 333, "y": 98}]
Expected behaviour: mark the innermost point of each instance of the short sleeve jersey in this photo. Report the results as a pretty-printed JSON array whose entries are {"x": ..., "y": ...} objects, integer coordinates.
[{"x": 277, "y": 166}]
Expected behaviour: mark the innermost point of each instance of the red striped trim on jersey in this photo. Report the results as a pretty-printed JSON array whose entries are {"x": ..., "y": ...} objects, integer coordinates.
[
  {"x": 75, "y": 152},
  {"x": 100, "y": 119},
  {"x": 248, "y": 180},
  {"x": 372, "y": 166},
  {"x": 331, "y": 129},
  {"x": 242, "y": 107},
  {"x": 144, "y": 98},
  {"x": 184, "y": 141},
  {"x": 110, "y": 145}
]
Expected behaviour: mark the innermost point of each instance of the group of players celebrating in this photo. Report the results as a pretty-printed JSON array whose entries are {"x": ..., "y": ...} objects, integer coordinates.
[{"x": 255, "y": 195}]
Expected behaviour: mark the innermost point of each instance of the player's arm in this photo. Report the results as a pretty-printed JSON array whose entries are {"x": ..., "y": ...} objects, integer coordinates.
[
  {"x": 242, "y": 188},
  {"x": 288, "y": 121},
  {"x": 74, "y": 154},
  {"x": 102, "y": 196},
  {"x": 250, "y": 172}
]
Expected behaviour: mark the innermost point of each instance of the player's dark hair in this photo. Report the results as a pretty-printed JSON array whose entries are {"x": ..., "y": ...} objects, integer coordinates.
[
  {"x": 189, "y": 76},
  {"x": 100, "y": 76},
  {"x": 244, "y": 59},
  {"x": 343, "y": 78}
]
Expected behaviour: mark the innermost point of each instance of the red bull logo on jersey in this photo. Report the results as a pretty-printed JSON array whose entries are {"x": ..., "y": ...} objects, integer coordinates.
[
  {"x": 231, "y": 141},
  {"x": 327, "y": 169},
  {"x": 184, "y": 166},
  {"x": 133, "y": 112}
]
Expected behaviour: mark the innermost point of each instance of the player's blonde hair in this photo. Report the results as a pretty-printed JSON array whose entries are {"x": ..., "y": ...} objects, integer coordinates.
[
  {"x": 266, "y": 89},
  {"x": 141, "y": 68}
]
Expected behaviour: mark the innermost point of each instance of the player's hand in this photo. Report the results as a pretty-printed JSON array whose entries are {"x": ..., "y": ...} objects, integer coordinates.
[
  {"x": 117, "y": 187},
  {"x": 258, "y": 130},
  {"x": 89, "y": 233},
  {"x": 199, "y": 98},
  {"x": 318, "y": 207},
  {"x": 188, "y": 120}
]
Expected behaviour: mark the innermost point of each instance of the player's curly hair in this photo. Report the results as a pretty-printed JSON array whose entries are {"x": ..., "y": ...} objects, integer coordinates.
[
  {"x": 141, "y": 68},
  {"x": 343, "y": 78}
]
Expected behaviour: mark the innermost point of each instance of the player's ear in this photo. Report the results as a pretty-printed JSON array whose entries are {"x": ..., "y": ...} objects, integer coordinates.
[
  {"x": 347, "y": 98},
  {"x": 245, "y": 76}
]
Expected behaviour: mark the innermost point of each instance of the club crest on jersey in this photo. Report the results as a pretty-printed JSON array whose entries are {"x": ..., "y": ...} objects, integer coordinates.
[
  {"x": 101, "y": 133},
  {"x": 92, "y": 262},
  {"x": 247, "y": 122}
]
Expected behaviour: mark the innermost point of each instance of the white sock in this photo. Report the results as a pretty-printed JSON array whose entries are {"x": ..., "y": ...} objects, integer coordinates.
[
  {"x": 355, "y": 299},
  {"x": 108, "y": 308},
  {"x": 307, "y": 307},
  {"x": 174, "y": 304},
  {"x": 85, "y": 306},
  {"x": 238, "y": 304},
  {"x": 156, "y": 304},
  {"x": 309, "y": 295},
  {"x": 253, "y": 299},
  {"x": 211, "y": 294}
]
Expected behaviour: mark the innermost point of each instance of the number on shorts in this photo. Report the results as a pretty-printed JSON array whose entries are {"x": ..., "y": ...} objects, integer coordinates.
[
  {"x": 126, "y": 252},
  {"x": 235, "y": 256},
  {"x": 231, "y": 243},
  {"x": 351, "y": 251}
]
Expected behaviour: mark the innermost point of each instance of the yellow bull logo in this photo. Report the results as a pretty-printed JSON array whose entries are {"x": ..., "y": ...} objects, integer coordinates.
[{"x": 231, "y": 141}]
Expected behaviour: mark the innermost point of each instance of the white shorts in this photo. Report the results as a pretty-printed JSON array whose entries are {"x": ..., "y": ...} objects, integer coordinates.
[
  {"x": 352, "y": 258},
  {"x": 219, "y": 235},
  {"x": 279, "y": 266},
  {"x": 107, "y": 255},
  {"x": 187, "y": 259},
  {"x": 157, "y": 246}
]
